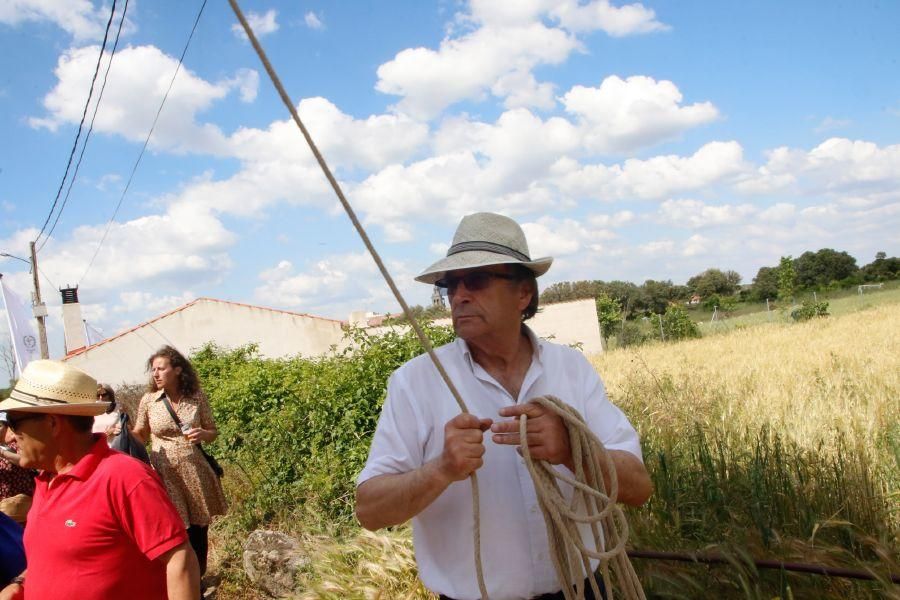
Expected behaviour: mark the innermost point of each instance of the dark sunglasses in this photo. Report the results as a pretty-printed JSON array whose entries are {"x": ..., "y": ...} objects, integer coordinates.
[
  {"x": 102, "y": 394},
  {"x": 13, "y": 424},
  {"x": 474, "y": 281}
]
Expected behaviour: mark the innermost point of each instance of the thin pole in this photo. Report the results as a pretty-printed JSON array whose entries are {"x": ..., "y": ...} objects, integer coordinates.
[{"x": 40, "y": 310}]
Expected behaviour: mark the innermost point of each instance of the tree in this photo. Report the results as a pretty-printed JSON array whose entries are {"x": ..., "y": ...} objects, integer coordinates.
[
  {"x": 787, "y": 278},
  {"x": 765, "y": 284},
  {"x": 819, "y": 269},
  {"x": 609, "y": 314},
  {"x": 655, "y": 296},
  {"x": 882, "y": 268},
  {"x": 715, "y": 281}
]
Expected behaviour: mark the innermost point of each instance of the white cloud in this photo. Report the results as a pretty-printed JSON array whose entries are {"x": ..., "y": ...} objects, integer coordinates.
[
  {"x": 108, "y": 181},
  {"x": 654, "y": 178},
  {"x": 149, "y": 303},
  {"x": 521, "y": 89},
  {"x": 615, "y": 220},
  {"x": 439, "y": 249},
  {"x": 625, "y": 114},
  {"x": 620, "y": 21},
  {"x": 261, "y": 24},
  {"x": 246, "y": 81},
  {"x": 336, "y": 285},
  {"x": 313, "y": 21},
  {"x": 830, "y": 124},
  {"x": 467, "y": 67},
  {"x": 76, "y": 17},
  {"x": 695, "y": 214},
  {"x": 696, "y": 245},
  {"x": 182, "y": 247},
  {"x": 344, "y": 141},
  {"x": 839, "y": 167},
  {"x": 138, "y": 81},
  {"x": 780, "y": 212},
  {"x": 554, "y": 237}
]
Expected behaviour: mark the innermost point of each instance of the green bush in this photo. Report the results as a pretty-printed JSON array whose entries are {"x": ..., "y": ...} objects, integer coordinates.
[
  {"x": 676, "y": 324},
  {"x": 809, "y": 310},
  {"x": 298, "y": 430}
]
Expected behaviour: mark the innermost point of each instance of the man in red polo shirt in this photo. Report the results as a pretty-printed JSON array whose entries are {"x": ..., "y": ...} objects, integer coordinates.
[{"x": 101, "y": 525}]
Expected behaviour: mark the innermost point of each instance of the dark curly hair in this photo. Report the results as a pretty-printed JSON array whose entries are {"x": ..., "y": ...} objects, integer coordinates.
[{"x": 188, "y": 382}]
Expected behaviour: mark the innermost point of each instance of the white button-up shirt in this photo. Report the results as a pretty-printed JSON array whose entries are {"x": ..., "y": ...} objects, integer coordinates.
[{"x": 410, "y": 432}]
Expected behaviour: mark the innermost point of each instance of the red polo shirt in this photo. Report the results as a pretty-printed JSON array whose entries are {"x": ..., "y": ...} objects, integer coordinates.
[{"x": 96, "y": 531}]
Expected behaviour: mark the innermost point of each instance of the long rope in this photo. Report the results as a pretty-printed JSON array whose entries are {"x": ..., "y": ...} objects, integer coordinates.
[
  {"x": 591, "y": 449},
  {"x": 423, "y": 339}
]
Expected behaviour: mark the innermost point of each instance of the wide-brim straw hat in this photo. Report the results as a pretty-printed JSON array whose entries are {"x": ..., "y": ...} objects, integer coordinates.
[
  {"x": 16, "y": 507},
  {"x": 484, "y": 239},
  {"x": 53, "y": 387}
]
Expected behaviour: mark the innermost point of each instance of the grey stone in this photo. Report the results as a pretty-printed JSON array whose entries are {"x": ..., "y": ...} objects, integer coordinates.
[{"x": 272, "y": 560}]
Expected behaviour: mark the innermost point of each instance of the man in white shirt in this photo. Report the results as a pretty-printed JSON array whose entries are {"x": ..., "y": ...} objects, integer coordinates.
[{"x": 424, "y": 450}]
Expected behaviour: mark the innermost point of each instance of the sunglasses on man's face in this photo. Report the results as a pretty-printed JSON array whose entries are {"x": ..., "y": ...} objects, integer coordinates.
[
  {"x": 102, "y": 394},
  {"x": 14, "y": 423},
  {"x": 474, "y": 281}
]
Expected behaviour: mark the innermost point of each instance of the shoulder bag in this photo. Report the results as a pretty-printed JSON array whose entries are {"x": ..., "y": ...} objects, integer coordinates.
[{"x": 124, "y": 441}]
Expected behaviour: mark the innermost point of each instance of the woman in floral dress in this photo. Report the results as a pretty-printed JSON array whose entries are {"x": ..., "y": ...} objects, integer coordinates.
[{"x": 192, "y": 485}]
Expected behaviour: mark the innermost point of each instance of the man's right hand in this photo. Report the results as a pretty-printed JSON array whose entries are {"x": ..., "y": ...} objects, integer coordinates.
[{"x": 463, "y": 446}]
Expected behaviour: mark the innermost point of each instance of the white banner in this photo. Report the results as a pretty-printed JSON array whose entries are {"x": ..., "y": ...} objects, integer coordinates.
[
  {"x": 92, "y": 335},
  {"x": 21, "y": 329}
]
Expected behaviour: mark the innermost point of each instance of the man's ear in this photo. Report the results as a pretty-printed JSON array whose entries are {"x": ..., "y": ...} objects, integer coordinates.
[
  {"x": 56, "y": 424},
  {"x": 526, "y": 291}
]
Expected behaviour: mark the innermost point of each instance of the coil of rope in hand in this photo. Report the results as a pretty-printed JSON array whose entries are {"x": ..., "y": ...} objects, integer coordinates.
[{"x": 571, "y": 558}]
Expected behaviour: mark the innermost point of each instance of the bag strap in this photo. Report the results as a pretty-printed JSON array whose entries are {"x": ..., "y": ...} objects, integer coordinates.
[
  {"x": 175, "y": 418},
  {"x": 171, "y": 410}
]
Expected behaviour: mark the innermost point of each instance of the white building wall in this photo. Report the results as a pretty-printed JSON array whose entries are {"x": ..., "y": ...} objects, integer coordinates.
[
  {"x": 122, "y": 358},
  {"x": 568, "y": 323}
]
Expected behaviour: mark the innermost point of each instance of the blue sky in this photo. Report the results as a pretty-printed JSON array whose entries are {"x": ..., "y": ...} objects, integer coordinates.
[{"x": 632, "y": 141}]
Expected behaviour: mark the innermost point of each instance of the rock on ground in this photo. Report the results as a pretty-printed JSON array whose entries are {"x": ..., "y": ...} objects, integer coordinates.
[{"x": 272, "y": 560}]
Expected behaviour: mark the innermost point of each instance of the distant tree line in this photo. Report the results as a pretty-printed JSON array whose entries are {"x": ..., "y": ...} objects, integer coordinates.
[
  {"x": 820, "y": 270},
  {"x": 621, "y": 301}
]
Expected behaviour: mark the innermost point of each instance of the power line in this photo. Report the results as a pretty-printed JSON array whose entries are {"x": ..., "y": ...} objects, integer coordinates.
[
  {"x": 81, "y": 124},
  {"x": 144, "y": 147},
  {"x": 90, "y": 129}
]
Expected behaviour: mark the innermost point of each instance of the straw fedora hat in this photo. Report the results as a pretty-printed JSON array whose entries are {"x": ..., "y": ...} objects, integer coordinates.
[
  {"x": 484, "y": 239},
  {"x": 50, "y": 386}
]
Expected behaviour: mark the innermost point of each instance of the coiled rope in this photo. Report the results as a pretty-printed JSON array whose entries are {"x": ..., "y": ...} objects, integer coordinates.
[{"x": 565, "y": 545}]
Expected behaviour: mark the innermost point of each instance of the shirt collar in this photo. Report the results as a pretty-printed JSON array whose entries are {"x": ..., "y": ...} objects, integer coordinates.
[{"x": 537, "y": 345}]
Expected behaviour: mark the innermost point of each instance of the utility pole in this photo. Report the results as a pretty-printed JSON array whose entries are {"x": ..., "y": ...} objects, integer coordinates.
[{"x": 40, "y": 309}]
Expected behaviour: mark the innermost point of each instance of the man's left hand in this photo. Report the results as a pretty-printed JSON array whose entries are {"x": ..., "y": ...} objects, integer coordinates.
[{"x": 548, "y": 438}]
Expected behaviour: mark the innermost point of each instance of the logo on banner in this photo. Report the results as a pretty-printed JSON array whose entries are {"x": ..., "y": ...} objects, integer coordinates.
[{"x": 29, "y": 342}]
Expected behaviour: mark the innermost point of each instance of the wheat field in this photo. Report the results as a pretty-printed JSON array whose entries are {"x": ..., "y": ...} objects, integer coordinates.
[{"x": 777, "y": 440}]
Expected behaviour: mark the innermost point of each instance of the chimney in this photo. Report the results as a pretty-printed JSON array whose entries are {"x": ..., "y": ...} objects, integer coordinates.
[{"x": 72, "y": 323}]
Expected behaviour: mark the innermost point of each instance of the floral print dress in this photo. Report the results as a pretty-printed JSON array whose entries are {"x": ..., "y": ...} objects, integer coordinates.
[{"x": 192, "y": 485}]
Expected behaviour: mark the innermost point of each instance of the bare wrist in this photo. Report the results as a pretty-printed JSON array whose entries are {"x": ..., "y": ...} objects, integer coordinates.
[{"x": 436, "y": 474}]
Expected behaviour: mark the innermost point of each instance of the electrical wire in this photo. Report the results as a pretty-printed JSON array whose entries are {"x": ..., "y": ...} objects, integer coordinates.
[
  {"x": 90, "y": 129},
  {"x": 81, "y": 124},
  {"x": 144, "y": 147}
]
